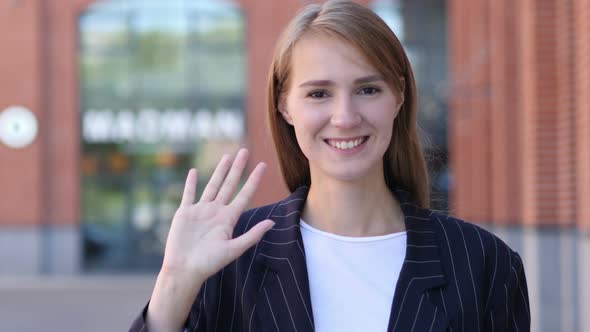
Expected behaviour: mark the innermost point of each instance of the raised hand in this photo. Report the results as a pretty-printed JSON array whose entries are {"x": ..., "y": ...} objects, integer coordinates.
[{"x": 200, "y": 238}]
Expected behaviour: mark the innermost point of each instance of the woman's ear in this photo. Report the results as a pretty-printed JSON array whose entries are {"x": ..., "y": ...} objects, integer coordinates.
[
  {"x": 286, "y": 116},
  {"x": 283, "y": 110},
  {"x": 402, "y": 91},
  {"x": 401, "y": 94}
]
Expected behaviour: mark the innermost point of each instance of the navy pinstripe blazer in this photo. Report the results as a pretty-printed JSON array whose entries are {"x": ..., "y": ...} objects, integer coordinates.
[{"x": 455, "y": 277}]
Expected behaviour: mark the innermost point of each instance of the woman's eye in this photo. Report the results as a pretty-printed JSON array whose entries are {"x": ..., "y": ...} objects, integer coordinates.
[
  {"x": 369, "y": 90},
  {"x": 318, "y": 94}
]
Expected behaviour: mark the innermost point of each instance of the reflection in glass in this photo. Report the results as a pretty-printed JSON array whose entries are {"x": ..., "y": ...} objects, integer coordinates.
[
  {"x": 162, "y": 90},
  {"x": 421, "y": 27}
]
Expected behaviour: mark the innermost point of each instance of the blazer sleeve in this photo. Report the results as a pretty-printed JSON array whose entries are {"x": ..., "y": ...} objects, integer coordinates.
[
  {"x": 509, "y": 309},
  {"x": 195, "y": 321}
]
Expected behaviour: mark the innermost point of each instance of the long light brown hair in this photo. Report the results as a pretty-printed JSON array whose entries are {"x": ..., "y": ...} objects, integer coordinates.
[{"x": 403, "y": 163}]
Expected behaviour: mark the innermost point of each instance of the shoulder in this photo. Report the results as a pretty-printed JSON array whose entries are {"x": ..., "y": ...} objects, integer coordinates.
[
  {"x": 472, "y": 251},
  {"x": 462, "y": 236},
  {"x": 495, "y": 270}
]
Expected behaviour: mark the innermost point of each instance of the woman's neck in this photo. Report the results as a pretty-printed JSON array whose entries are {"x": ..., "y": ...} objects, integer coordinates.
[{"x": 359, "y": 208}]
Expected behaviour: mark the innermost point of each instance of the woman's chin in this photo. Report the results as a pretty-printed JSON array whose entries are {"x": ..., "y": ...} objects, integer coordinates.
[{"x": 349, "y": 175}]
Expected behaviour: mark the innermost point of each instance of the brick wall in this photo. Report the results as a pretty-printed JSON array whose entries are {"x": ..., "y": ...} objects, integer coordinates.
[
  {"x": 40, "y": 183},
  {"x": 581, "y": 50},
  {"x": 519, "y": 139},
  {"x": 20, "y": 73}
]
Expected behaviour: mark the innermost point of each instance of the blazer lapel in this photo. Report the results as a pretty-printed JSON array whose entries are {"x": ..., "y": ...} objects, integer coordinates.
[
  {"x": 421, "y": 271},
  {"x": 284, "y": 302}
]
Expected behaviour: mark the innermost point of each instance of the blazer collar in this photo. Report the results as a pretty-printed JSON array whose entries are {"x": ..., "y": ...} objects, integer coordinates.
[
  {"x": 285, "y": 296},
  {"x": 422, "y": 270},
  {"x": 284, "y": 302},
  {"x": 284, "y": 239}
]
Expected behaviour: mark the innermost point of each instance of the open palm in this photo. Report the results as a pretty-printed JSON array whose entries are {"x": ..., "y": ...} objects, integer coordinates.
[{"x": 200, "y": 239}]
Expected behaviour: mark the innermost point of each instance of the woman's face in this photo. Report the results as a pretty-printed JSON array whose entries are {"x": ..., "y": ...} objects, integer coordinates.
[{"x": 342, "y": 109}]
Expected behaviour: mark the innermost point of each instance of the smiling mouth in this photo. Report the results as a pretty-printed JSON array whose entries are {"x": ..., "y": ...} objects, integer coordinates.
[{"x": 346, "y": 144}]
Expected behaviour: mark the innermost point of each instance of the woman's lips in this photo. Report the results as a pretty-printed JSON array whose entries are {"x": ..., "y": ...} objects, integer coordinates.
[{"x": 345, "y": 144}]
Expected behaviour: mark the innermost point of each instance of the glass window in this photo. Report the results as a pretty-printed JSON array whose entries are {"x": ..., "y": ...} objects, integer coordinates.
[
  {"x": 421, "y": 27},
  {"x": 162, "y": 90}
]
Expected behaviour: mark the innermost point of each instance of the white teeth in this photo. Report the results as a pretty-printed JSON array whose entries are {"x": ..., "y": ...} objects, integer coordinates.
[{"x": 347, "y": 144}]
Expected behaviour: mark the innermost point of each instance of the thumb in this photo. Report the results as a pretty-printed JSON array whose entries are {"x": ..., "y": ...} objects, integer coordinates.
[{"x": 240, "y": 244}]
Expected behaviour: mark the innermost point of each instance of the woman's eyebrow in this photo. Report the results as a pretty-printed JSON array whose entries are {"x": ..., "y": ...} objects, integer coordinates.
[
  {"x": 316, "y": 83},
  {"x": 368, "y": 79},
  {"x": 360, "y": 80}
]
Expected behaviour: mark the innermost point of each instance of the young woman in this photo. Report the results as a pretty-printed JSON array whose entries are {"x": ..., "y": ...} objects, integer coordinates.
[{"x": 354, "y": 247}]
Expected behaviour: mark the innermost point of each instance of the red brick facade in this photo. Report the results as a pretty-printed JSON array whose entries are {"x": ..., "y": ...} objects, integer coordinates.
[
  {"x": 581, "y": 54},
  {"x": 520, "y": 111},
  {"x": 19, "y": 80},
  {"x": 40, "y": 183}
]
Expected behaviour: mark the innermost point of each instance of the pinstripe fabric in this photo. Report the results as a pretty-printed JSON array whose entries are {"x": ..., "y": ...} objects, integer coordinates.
[{"x": 455, "y": 277}]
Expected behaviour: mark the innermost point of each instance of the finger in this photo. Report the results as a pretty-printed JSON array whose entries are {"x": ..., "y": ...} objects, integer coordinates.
[
  {"x": 249, "y": 188},
  {"x": 190, "y": 186},
  {"x": 216, "y": 179},
  {"x": 240, "y": 244},
  {"x": 233, "y": 177}
]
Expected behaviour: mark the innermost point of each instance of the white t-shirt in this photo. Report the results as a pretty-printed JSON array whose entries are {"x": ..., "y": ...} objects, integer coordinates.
[{"x": 352, "y": 279}]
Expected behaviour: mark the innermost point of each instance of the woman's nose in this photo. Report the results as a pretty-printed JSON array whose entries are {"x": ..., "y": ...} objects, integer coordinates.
[{"x": 345, "y": 114}]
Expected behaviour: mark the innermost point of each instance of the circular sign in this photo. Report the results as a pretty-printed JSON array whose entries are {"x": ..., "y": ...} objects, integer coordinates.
[{"x": 18, "y": 127}]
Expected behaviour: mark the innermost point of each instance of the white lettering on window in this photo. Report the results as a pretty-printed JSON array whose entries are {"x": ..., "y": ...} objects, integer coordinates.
[{"x": 152, "y": 126}]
